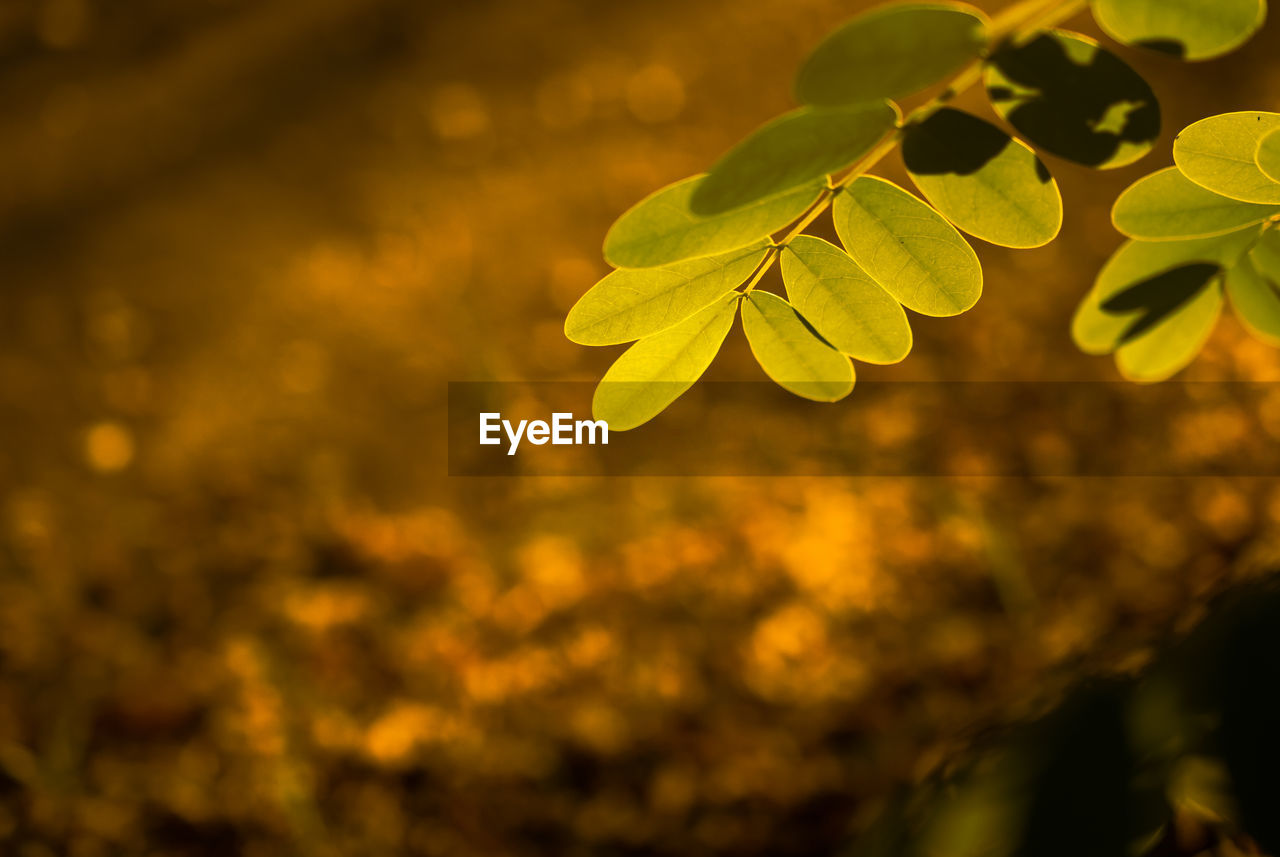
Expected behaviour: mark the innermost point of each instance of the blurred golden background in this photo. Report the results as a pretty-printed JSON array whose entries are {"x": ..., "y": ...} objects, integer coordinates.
[{"x": 243, "y": 247}]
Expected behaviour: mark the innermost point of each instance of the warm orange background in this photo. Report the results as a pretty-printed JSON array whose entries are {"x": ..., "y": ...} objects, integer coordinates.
[{"x": 243, "y": 246}]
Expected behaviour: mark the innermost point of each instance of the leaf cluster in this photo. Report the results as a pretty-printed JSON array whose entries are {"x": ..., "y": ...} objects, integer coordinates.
[{"x": 691, "y": 257}]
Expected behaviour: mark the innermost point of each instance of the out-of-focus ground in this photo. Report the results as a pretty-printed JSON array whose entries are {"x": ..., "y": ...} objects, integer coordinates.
[{"x": 243, "y": 246}]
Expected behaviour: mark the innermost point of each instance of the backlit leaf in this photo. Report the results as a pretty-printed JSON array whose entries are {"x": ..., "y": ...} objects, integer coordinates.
[
  {"x": 1189, "y": 29},
  {"x": 1268, "y": 155},
  {"x": 1266, "y": 255},
  {"x": 1218, "y": 153},
  {"x": 1075, "y": 99},
  {"x": 632, "y": 303},
  {"x": 907, "y": 247},
  {"x": 1255, "y": 299},
  {"x": 843, "y": 303},
  {"x": 654, "y": 372},
  {"x": 791, "y": 353},
  {"x": 1167, "y": 205},
  {"x": 982, "y": 180},
  {"x": 791, "y": 151},
  {"x": 662, "y": 228},
  {"x": 892, "y": 51},
  {"x": 1173, "y": 342}
]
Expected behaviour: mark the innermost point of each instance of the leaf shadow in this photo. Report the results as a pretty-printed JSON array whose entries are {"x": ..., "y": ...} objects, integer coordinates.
[
  {"x": 1159, "y": 297},
  {"x": 954, "y": 142},
  {"x": 1083, "y": 112}
]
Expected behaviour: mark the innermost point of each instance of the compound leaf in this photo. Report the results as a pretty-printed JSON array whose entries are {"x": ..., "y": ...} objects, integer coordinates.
[
  {"x": 843, "y": 303},
  {"x": 662, "y": 228},
  {"x": 791, "y": 353},
  {"x": 982, "y": 180},
  {"x": 907, "y": 247},
  {"x": 1268, "y": 155},
  {"x": 1166, "y": 205},
  {"x": 657, "y": 370},
  {"x": 632, "y": 303},
  {"x": 1255, "y": 299},
  {"x": 1075, "y": 99},
  {"x": 1218, "y": 153},
  {"x": 1188, "y": 29},
  {"x": 890, "y": 52},
  {"x": 791, "y": 151}
]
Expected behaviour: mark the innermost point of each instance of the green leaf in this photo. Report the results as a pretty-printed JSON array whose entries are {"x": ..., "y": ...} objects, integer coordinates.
[
  {"x": 1172, "y": 343},
  {"x": 1268, "y": 155},
  {"x": 1218, "y": 154},
  {"x": 1266, "y": 255},
  {"x": 892, "y": 51},
  {"x": 1255, "y": 299},
  {"x": 908, "y": 248},
  {"x": 1154, "y": 278},
  {"x": 1188, "y": 29},
  {"x": 1071, "y": 97},
  {"x": 982, "y": 180},
  {"x": 791, "y": 353},
  {"x": 632, "y": 303},
  {"x": 1166, "y": 205},
  {"x": 843, "y": 303},
  {"x": 662, "y": 228},
  {"x": 791, "y": 151},
  {"x": 656, "y": 371}
]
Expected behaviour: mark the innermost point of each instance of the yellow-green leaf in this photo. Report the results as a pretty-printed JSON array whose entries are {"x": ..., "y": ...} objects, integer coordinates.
[
  {"x": 843, "y": 303},
  {"x": 1188, "y": 29},
  {"x": 1075, "y": 99},
  {"x": 982, "y": 180},
  {"x": 1218, "y": 153},
  {"x": 1170, "y": 344},
  {"x": 791, "y": 151},
  {"x": 907, "y": 247},
  {"x": 662, "y": 228},
  {"x": 1255, "y": 299},
  {"x": 632, "y": 303},
  {"x": 657, "y": 370},
  {"x": 1266, "y": 255},
  {"x": 1166, "y": 205},
  {"x": 1268, "y": 155},
  {"x": 892, "y": 51},
  {"x": 791, "y": 353}
]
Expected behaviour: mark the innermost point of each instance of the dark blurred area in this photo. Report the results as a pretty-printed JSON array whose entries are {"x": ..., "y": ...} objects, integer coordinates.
[{"x": 243, "y": 247}]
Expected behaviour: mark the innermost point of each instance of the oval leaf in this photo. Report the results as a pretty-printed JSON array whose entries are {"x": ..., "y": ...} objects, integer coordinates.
[
  {"x": 662, "y": 228},
  {"x": 632, "y": 303},
  {"x": 890, "y": 52},
  {"x": 1075, "y": 99},
  {"x": 1268, "y": 155},
  {"x": 1171, "y": 343},
  {"x": 1266, "y": 255},
  {"x": 843, "y": 303},
  {"x": 656, "y": 371},
  {"x": 1187, "y": 29},
  {"x": 908, "y": 248},
  {"x": 1218, "y": 154},
  {"x": 1166, "y": 205},
  {"x": 793, "y": 150},
  {"x": 1143, "y": 282},
  {"x": 982, "y": 180},
  {"x": 790, "y": 351},
  {"x": 1255, "y": 299}
]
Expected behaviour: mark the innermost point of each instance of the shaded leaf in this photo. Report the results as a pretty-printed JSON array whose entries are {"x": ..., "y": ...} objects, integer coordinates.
[
  {"x": 656, "y": 371},
  {"x": 1255, "y": 299},
  {"x": 791, "y": 151},
  {"x": 1266, "y": 255},
  {"x": 1218, "y": 154},
  {"x": 1075, "y": 99},
  {"x": 908, "y": 248},
  {"x": 890, "y": 52},
  {"x": 1166, "y": 205},
  {"x": 662, "y": 228},
  {"x": 1268, "y": 155},
  {"x": 1188, "y": 29},
  {"x": 1154, "y": 272},
  {"x": 1169, "y": 345},
  {"x": 982, "y": 180},
  {"x": 843, "y": 303},
  {"x": 791, "y": 352},
  {"x": 632, "y": 303}
]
